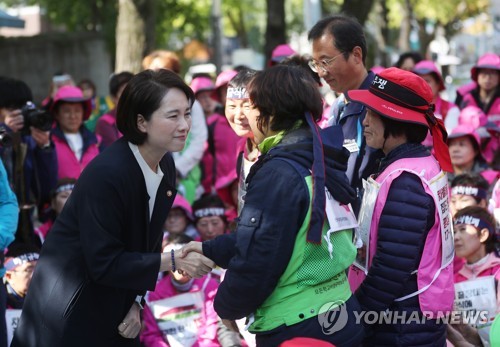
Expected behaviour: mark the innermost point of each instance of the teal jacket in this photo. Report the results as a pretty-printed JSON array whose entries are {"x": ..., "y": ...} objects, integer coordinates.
[{"x": 9, "y": 210}]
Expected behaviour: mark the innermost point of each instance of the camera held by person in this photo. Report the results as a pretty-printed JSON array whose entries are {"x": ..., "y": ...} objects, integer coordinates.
[{"x": 35, "y": 117}]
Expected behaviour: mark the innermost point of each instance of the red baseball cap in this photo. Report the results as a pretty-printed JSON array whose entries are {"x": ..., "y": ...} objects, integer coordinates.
[{"x": 406, "y": 97}]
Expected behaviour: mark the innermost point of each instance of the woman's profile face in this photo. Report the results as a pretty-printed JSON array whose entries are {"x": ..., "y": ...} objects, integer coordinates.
[
  {"x": 432, "y": 82},
  {"x": 169, "y": 125},
  {"x": 374, "y": 130},
  {"x": 253, "y": 115}
]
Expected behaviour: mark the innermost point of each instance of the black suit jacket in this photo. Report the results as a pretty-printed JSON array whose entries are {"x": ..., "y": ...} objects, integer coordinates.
[{"x": 100, "y": 254}]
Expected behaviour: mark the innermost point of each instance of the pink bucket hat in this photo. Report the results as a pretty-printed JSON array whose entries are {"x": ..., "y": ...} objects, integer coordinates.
[
  {"x": 202, "y": 84},
  {"x": 473, "y": 116},
  {"x": 377, "y": 69},
  {"x": 486, "y": 61},
  {"x": 425, "y": 67},
  {"x": 465, "y": 130},
  {"x": 280, "y": 53},
  {"x": 72, "y": 94},
  {"x": 183, "y": 204},
  {"x": 222, "y": 80}
]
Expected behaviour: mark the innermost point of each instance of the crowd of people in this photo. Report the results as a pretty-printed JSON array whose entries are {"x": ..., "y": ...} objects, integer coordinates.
[{"x": 244, "y": 210}]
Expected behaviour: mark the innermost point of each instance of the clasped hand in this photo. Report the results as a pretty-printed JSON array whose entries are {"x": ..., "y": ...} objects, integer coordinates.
[{"x": 190, "y": 260}]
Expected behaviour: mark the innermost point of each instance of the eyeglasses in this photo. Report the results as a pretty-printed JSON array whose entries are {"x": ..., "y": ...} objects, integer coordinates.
[
  {"x": 323, "y": 64},
  {"x": 27, "y": 271}
]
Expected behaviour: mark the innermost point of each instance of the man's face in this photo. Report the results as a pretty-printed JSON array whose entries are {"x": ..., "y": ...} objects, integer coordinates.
[
  {"x": 20, "y": 277},
  {"x": 332, "y": 64}
]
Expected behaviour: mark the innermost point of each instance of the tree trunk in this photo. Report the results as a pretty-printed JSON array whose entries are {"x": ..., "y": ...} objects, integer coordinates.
[
  {"x": 404, "y": 30},
  {"x": 386, "y": 59},
  {"x": 130, "y": 37},
  {"x": 424, "y": 37},
  {"x": 276, "y": 27},
  {"x": 148, "y": 13},
  {"x": 357, "y": 8},
  {"x": 238, "y": 25}
]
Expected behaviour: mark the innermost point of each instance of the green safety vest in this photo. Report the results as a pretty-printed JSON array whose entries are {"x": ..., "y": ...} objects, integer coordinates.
[{"x": 311, "y": 279}]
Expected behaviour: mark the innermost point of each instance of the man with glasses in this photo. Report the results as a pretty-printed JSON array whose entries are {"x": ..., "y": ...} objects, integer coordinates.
[
  {"x": 20, "y": 262},
  {"x": 339, "y": 54}
]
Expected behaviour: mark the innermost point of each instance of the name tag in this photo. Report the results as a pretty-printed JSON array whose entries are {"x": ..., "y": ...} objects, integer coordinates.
[{"x": 351, "y": 145}]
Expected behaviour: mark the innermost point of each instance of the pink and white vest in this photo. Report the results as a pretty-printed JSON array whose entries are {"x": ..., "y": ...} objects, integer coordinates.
[
  {"x": 68, "y": 165},
  {"x": 435, "y": 271}
]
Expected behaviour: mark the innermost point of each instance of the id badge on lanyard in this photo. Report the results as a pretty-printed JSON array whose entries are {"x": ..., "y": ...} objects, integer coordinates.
[
  {"x": 340, "y": 217},
  {"x": 362, "y": 237}
]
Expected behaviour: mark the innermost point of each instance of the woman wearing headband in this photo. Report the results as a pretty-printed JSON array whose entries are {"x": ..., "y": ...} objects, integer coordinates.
[
  {"x": 405, "y": 239},
  {"x": 286, "y": 261},
  {"x": 475, "y": 242}
]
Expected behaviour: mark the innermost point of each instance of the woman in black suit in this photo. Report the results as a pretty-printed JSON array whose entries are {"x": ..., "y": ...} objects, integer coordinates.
[{"x": 103, "y": 252}]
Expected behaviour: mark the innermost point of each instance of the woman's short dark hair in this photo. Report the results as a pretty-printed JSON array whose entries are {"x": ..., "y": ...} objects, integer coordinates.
[
  {"x": 285, "y": 93},
  {"x": 415, "y": 56},
  {"x": 415, "y": 133},
  {"x": 89, "y": 83},
  {"x": 143, "y": 95},
  {"x": 180, "y": 239},
  {"x": 117, "y": 80},
  {"x": 483, "y": 214},
  {"x": 471, "y": 180},
  {"x": 207, "y": 201},
  {"x": 346, "y": 31},
  {"x": 242, "y": 78},
  {"x": 303, "y": 61}
]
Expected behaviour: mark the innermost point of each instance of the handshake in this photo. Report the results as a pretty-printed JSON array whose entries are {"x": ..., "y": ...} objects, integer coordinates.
[{"x": 189, "y": 260}]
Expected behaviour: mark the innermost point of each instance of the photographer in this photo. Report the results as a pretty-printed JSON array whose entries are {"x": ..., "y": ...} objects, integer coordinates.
[{"x": 30, "y": 161}]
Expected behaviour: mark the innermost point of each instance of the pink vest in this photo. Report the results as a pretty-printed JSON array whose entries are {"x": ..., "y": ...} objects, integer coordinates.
[
  {"x": 225, "y": 146},
  {"x": 207, "y": 333},
  {"x": 494, "y": 111},
  {"x": 67, "y": 163},
  {"x": 434, "y": 296}
]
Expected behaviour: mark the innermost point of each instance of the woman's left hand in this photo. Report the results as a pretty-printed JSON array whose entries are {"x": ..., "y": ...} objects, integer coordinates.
[{"x": 130, "y": 327}]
